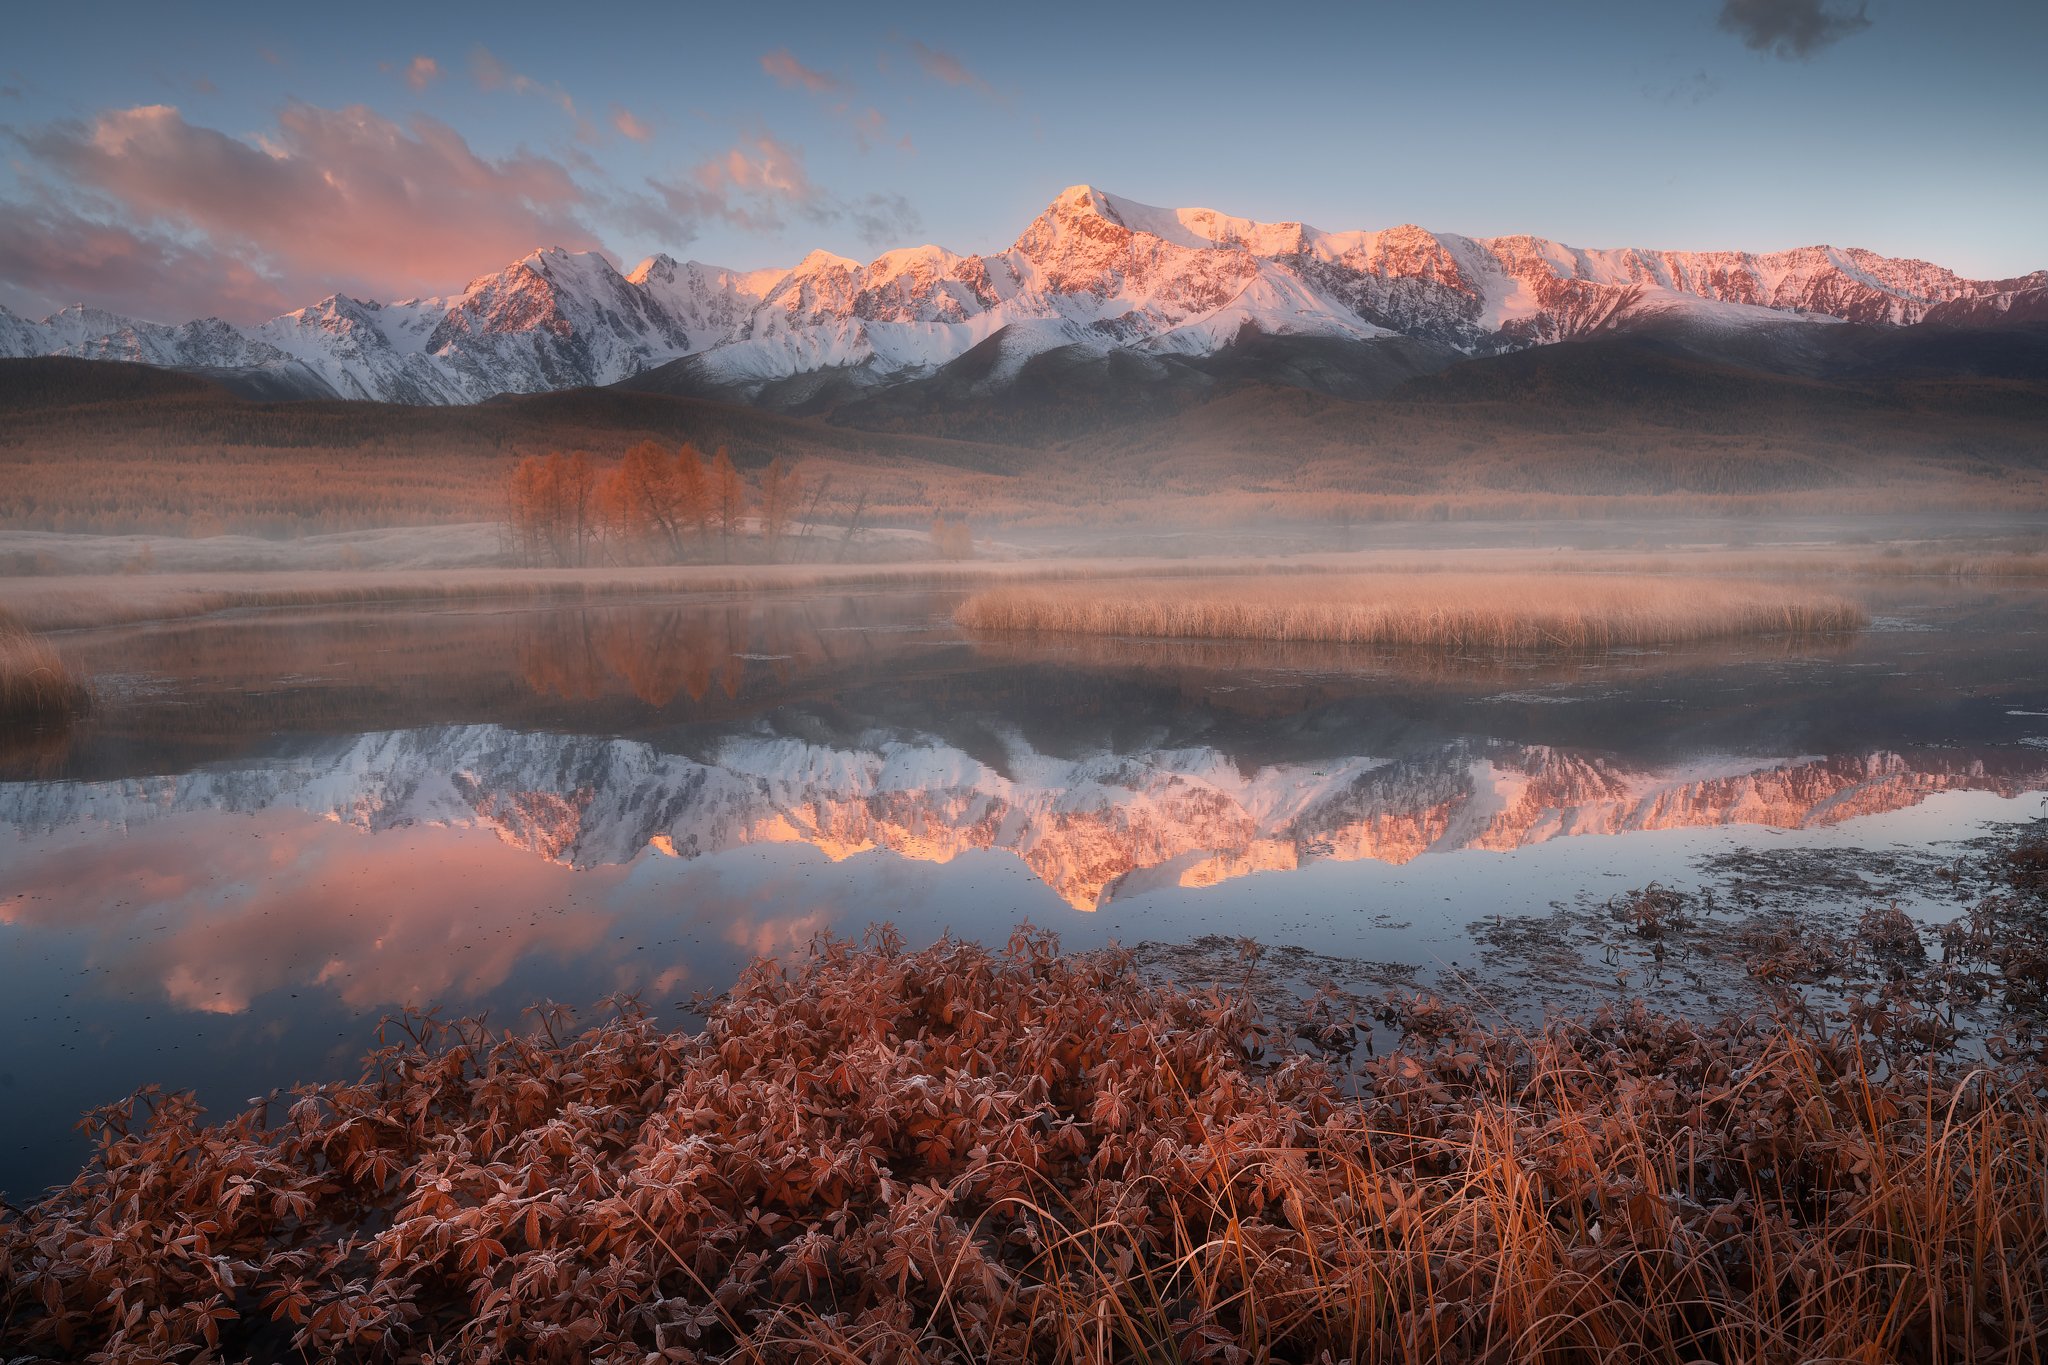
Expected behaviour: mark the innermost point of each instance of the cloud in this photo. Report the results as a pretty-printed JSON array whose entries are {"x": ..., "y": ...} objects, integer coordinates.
[
  {"x": 490, "y": 74},
  {"x": 867, "y": 122},
  {"x": 752, "y": 185},
  {"x": 869, "y": 127},
  {"x": 52, "y": 256},
  {"x": 791, "y": 74},
  {"x": 946, "y": 68},
  {"x": 422, "y": 72},
  {"x": 884, "y": 220},
  {"x": 760, "y": 183},
  {"x": 1791, "y": 29},
  {"x": 1695, "y": 89},
  {"x": 630, "y": 124},
  {"x": 494, "y": 74},
  {"x": 335, "y": 198}
]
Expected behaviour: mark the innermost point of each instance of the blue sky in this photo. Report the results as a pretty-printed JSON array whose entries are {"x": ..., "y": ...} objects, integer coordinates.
[{"x": 173, "y": 160}]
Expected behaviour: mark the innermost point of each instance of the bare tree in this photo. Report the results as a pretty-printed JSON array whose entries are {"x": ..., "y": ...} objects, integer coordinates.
[
  {"x": 853, "y": 523},
  {"x": 728, "y": 498},
  {"x": 693, "y": 487},
  {"x": 779, "y": 492}
]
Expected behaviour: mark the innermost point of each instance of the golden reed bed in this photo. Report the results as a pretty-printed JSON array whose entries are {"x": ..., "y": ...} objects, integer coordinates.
[
  {"x": 36, "y": 686},
  {"x": 1460, "y": 610}
]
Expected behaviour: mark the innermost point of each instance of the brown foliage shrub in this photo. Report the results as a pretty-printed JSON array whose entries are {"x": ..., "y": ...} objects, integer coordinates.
[{"x": 967, "y": 1155}]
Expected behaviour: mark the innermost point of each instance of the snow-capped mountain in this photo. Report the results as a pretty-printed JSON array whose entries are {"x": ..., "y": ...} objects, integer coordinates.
[
  {"x": 1093, "y": 272},
  {"x": 1093, "y": 826}
]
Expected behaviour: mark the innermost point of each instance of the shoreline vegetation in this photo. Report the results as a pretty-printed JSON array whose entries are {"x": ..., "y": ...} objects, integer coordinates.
[
  {"x": 965, "y": 1154},
  {"x": 37, "y": 688},
  {"x": 1557, "y": 611},
  {"x": 68, "y": 601}
]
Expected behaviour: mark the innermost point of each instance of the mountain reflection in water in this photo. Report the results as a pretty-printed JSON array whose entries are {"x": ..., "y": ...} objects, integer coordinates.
[
  {"x": 1092, "y": 827},
  {"x": 278, "y": 827},
  {"x": 858, "y": 722}
]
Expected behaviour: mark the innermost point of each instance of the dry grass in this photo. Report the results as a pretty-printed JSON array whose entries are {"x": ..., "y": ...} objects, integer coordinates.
[
  {"x": 37, "y": 689},
  {"x": 67, "y": 602},
  {"x": 1457, "y": 610},
  {"x": 63, "y": 603},
  {"x": 962, "y": 1155},
  {"x": 70, "y": 601}
]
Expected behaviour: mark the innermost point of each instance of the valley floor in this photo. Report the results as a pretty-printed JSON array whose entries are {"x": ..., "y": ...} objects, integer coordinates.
[{"x": 55, "y": 581}]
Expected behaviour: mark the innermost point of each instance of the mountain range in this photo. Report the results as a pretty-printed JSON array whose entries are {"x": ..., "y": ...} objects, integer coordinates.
[{"x": 1094, "y": 284}]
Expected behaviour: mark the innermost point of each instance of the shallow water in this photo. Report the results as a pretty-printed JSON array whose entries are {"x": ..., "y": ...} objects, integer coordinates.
[{"x": 284, "y": 827}]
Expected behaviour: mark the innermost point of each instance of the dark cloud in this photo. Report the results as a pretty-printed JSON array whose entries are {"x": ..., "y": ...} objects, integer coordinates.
[
  {"x": 883, "y": 220},
  {"x": 1791, "y": 29}
]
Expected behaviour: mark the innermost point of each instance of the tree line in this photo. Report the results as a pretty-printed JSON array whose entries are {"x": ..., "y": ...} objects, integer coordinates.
[{"x": 653, "y": 506}]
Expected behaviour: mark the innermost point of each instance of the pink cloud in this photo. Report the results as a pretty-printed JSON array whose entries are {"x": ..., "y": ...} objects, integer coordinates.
[
  {"x": 867, "y": 123},
  {"x": 630, "y": 125},
  {"x": 492, "y": 74},
  {"x": 750, "y": 185},
  {"x": 759, "y": 181},
  {"x": 336, "y": 198},
  {"x": 791, "y": 73},
  {"x": 422, "y": 72},
  {"x": 946, "y": 68},
  {"x": 51, "y": 257}
]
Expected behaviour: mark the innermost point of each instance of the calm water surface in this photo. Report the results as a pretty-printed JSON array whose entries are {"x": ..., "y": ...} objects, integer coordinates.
[{"x": 283, "y": 828}]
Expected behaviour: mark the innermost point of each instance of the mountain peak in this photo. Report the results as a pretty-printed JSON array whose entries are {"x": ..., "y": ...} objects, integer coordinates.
[
  {"x": 660, "y": 263},
  {"x": 822, "y": 261}
]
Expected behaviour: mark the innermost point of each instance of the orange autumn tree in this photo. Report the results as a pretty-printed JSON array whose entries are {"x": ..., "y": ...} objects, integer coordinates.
[
  {"x": 642, "y": 498},
  {"x": 951, "y": 538},
  {"x": 652, "y": 500},
  {"x": 560, "y": 510},
  {"x": 553, "y": 506}
]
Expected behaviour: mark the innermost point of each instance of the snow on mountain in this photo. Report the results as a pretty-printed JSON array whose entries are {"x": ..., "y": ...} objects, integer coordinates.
[
  {"x": 1092, "y": 270},
  {"x": 1093, "y": 827}
]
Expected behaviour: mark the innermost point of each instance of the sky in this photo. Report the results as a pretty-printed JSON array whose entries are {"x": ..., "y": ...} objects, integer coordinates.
[{"x": 175, "y": 161}]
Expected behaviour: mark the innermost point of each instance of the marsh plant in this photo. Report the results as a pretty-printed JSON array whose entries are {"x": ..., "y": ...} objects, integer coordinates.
[
  {"x": 37, "y": 689},
  {"x": 1455, "y": 610},
  {"x": 966, "y": 1154}
]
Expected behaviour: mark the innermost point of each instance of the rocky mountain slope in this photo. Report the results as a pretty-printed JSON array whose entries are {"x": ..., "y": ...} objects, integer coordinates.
[{"x": 1092, "y": 278}]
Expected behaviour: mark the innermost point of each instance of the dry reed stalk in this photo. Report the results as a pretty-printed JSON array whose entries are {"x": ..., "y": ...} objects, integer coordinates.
[
  {"x": 1455, "y": 610},
  {"x": 37, "y": 688}
]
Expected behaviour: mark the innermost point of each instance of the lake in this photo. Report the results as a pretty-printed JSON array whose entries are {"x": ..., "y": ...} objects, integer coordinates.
[{"x": 283, "y": 827}]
